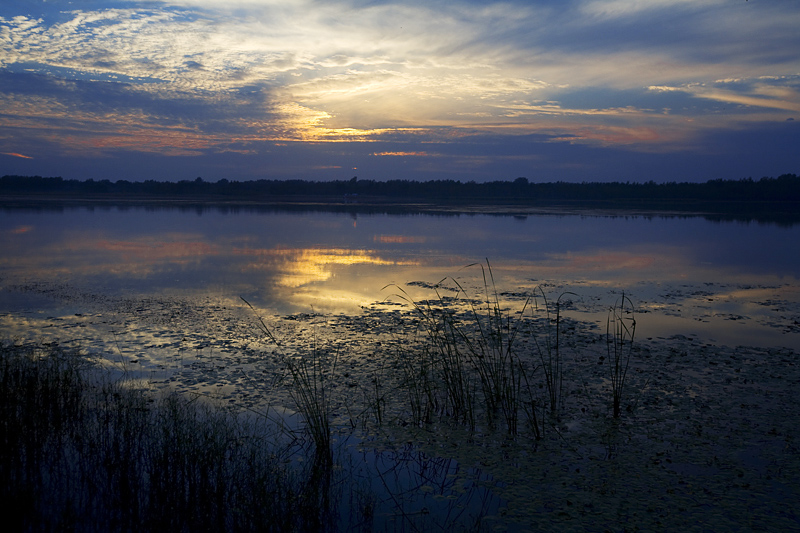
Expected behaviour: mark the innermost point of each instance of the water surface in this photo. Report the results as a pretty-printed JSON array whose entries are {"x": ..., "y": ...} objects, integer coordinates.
[
  {"x": 729, "y": 282},
  {"x": 157, "y": 293}
]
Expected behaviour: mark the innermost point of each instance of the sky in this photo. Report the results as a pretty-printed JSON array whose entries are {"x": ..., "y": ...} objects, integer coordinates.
[{"x": 551, "y": 90}]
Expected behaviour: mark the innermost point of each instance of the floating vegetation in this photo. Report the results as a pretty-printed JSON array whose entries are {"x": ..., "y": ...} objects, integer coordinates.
[
  {"x": 436, "y": 411},
  {"x": 82, "y": 453}
]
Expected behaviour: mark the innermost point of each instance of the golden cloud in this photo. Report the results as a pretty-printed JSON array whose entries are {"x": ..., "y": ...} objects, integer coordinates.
[
  {"x": 302, "y": 266},
  {"x": 147, "y": 250},
  {"x": 19, "y": 230},
  {"x": 399, "y": 239},
  {"x": 401, "y": 154}
]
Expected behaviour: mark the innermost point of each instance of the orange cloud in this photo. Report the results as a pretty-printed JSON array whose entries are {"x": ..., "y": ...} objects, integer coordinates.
[
  {"x": 399, "y": 239},
  {"x": 612, "y": 135},
  {"x": 14, "y": 154},
  {"x": 402, "y": 154},
  {"x": 21, "y": 229},
  {"x": 610, "y": 261},
  {"x": 158, "y": 250}
]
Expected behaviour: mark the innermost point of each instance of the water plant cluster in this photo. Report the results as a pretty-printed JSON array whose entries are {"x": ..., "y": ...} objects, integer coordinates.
[
  {"x": 480, "y": 358},
  {"x": 81, "y": 453},
  {"x": 85, "y": 449},
  {"x": 472, "y": 361},
  {"x": 81, "y": 450},
  {"x": 496, "y": 406}
]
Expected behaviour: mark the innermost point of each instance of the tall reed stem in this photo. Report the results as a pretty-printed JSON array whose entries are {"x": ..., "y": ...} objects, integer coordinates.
[
  {"x": 550, "y": 353},
  {"x": 620, "y": 332}
]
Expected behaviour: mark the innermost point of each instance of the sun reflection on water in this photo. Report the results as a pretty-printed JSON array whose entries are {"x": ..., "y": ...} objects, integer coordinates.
[
  {"x": 293, "y": 262},
  {"x": 298, "y": 267}
]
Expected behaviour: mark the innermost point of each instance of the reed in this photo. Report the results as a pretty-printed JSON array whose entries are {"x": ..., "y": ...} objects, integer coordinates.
[
  {"x": 530, "y": 408},
  {"x": 472, "y": 354},
  {"x": 492, "y": 352},
  {"x": 548, "y": 347},
  {"x": 375, "y": 398},
  {"x": 309, "y": 394},
  {"x": 81, "y": 453},
  {"x": 420, "y": 384},
  {"x": 451, "y": 390},
  {"x": 312, "y": 400},
  {"x": 620, "y": 333}
]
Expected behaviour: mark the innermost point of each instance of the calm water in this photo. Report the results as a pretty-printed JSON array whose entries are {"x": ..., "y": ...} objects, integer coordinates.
[
  {"x": 157, "y": 293},
  {"x": 725, "y": 282}
]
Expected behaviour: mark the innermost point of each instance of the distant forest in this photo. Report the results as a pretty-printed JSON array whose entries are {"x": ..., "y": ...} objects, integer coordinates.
[{"x": 784, "y": 190}]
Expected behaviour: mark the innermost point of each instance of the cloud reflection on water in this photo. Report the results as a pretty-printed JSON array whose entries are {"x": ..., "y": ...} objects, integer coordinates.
[
  {"x": 304, "y": 266},
  {"x": 293, "y": 262}
]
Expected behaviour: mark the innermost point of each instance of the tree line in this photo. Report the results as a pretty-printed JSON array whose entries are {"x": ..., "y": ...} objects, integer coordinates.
[{"x": 784, "y": 188}]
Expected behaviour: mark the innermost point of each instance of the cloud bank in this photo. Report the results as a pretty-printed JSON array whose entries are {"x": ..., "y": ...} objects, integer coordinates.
[{"x": 460, "y": 89}]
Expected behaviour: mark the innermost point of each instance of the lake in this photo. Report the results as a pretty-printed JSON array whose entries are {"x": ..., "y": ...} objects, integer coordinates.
[
  {"x": 212, "y": 301},
  {"x": 729, "y": 282}
]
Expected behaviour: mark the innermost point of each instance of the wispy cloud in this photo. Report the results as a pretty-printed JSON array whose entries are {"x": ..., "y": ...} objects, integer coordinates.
[
  {"x": 612, "y": 9},
  {"x": 402, "y": 154},
  {"x": 773, "y": 92},
  {"x": 199, "y": 77}
]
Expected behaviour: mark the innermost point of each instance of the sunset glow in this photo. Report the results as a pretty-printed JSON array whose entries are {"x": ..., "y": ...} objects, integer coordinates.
[{"x": 576, "y": 90}]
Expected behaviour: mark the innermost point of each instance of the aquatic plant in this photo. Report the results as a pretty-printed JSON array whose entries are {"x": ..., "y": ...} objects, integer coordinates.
[
  {"x": 548, "y": 347},
  {"x": 310, "y": 395},
  {"x": 308, "y": 392},
  {"x": 81, "y": 453},
  {"x": 471, "y": 346},
  {"x": 441, "y": 354},
  {"x": 419, "y": 383},
  {"x": 620, "y": 332},
  {"x": 529, "y": 407},
  {"x": 491, "y": 352},
  {"x": 445, "y": 353},
  {"x": 375, "y": 397}
]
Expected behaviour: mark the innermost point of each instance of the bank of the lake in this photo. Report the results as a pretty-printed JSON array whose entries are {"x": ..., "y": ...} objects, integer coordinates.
[
  {"x": 462, "y": 361},
  {"x": 706, "y": 438}
]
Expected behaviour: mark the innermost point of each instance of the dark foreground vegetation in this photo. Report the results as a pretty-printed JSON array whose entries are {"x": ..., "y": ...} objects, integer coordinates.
[
  {"x": 79, "y": 453},
  {"x": 584, "y": 429},
  {"x": 783, "y": 189}
]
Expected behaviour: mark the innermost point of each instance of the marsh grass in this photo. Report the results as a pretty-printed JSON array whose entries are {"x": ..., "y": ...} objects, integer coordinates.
[
  {"x": 437, "y": 376},
  {"x": 80, "y": 450},
  {"x": 548, "y": 347},
  {"x": 492, "y": 353},
  {"x": 375, "y": 397},
  {"x": 420, "y": 385},
  {"x": 81, "y": 453},
  {"x": 312, "y": 400},
  {"x": 469, "y": 362},
  {"x": 620, "y": 333},
  {"x": 309, "y": 392}
]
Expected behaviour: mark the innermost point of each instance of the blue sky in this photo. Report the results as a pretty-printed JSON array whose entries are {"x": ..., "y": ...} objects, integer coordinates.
[{"x": 572, "y": 90}]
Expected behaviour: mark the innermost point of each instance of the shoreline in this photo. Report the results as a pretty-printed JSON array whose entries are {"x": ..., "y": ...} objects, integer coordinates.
[
  {"x": 782, "y": 213},
  {"x": 709, "y": 431}
]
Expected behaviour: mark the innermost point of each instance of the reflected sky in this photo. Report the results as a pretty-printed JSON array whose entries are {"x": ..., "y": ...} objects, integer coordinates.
[{"x": 335, "y": 262}]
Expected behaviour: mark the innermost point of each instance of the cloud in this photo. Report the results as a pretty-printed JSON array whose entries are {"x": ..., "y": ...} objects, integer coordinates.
[
  {"x": 199, "y": 77},
  {"x": 614, "y": 9},
  {"x": 772, "y": 92},
  {"x": 19, "y": 230},
  {"x": 402, "y": 154}
]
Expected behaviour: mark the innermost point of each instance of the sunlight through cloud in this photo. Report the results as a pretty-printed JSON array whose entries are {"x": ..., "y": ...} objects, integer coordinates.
[{"x": 201, "y": 78}]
